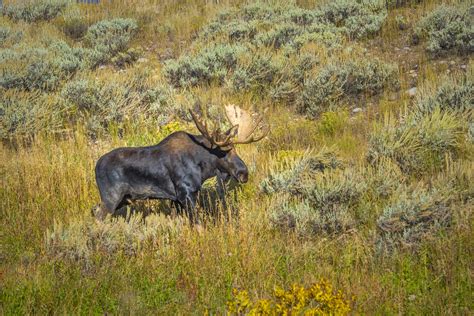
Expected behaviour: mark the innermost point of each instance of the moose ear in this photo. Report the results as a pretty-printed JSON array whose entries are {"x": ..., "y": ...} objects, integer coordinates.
[{"x": 232, "y": 132}]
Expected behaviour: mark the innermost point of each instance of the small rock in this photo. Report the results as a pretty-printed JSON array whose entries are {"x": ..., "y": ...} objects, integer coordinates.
[
  {"x": 142, "y": 60},
  {"x": 406, "y": 48},
  {"x": 412, "y": 92},
  {"x": 463, "y": 66},
  {"x": 356, "y": 110}
]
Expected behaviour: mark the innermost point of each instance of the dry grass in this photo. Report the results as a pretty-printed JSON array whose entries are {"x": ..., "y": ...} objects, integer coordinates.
[{"x": 54, "y": 258}]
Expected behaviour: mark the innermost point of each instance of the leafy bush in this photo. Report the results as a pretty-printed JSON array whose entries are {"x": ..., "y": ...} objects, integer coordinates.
[
  {"x": 317, "y": 299},
  {"x": 210, "y": 65},
  {"x": 79, "y": 240},
  {"x": 412, "y": 218},
  {"x": 447, "y": 28},
  {"x": 418, "y": 145},
  {"x": 108, "y": 38},
  {"x": 34, "y": 10},
  {"x": 39, "y": 68},
  {"x": 338, "y": 79},
  {"x": 357, "y": 19}
]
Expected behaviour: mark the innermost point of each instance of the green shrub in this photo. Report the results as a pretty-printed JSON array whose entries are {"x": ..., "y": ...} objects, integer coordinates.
[
  {"x": 279, "y": 36},
  {"x": 287, "y": 176},
  {"x": 23, "y": 114},
  {"x": 210, "y": 65},
  {"x": 418, "y": 145},
  {"x": 81, "y": 239},
  {"x": 332, "y": 122},
  {"x": 9, "y": 37},
  {"x": 39, "y": 68},
  {"x": 74, "y": 23},
  {"x": 447, "y": 28},
  {"x": 108, "y": 38},
  {"x": 338, "y": 79},
  {"x": 256, "y": 70},
  {"x": 411, "y": 218},
  {"x": 453, "y": 95},
  {"x": 34, "y": 10},
  {"x": 327, "y": 200},
  {"x": 357, "y": 19}
]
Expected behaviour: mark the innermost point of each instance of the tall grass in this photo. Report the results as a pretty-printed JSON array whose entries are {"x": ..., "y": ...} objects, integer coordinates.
[{"x": 415, "y": 189}]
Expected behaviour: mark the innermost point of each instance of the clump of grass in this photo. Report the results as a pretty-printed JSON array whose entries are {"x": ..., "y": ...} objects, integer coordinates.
[
  {"x": 318, "y": 299},
  {"x": 447, "y": 28},
  {"x": 81, "y": 239},
  {"x": 411, "y": 218},
  {"x": 34, "y": 10}
]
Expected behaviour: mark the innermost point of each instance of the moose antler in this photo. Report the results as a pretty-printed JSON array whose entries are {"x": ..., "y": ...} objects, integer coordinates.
[
  {"x": 248, "y": 123},
  {"x": 244, "y": 126},
  {"x": 216, "y": 137}
]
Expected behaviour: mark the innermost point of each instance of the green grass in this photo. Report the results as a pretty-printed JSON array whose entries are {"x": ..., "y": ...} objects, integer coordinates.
[{"x": 47, "y": 185}]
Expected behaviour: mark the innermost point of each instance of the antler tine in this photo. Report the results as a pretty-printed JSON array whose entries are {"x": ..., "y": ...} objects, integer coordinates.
[
  {"x": 201, "y": 125},
  {"x": 247, "y": 125},
  {"x": 215, "y": 136}
]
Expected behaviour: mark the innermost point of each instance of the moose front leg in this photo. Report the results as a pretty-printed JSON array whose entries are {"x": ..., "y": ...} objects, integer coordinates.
[
  {"x": 187, "y": 200},
  {"x": 222, "y": 179}
]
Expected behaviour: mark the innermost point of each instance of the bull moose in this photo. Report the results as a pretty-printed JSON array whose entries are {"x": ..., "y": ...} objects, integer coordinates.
[{"x": 176, "y": 168}]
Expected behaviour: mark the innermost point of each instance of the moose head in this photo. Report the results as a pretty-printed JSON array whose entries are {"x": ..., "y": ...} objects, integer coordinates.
[{"x": 176, "y": 168}]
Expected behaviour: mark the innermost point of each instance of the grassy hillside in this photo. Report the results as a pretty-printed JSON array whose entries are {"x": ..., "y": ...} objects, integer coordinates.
[{"x": 359, "y": 201}]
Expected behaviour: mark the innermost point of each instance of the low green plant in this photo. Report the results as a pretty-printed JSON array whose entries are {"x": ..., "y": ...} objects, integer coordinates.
[
  {"x": 447, "y": 28},
  {"x": 34, "y": 10},
  {"x": 332, "y": 122}
]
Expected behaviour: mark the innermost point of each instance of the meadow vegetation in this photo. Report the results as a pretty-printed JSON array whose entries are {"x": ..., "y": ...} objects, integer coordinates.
[{"x": 359, "y": 201}]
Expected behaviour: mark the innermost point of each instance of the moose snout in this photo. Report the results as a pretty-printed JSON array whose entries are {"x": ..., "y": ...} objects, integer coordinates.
[{"x": 243, "y": 177}]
